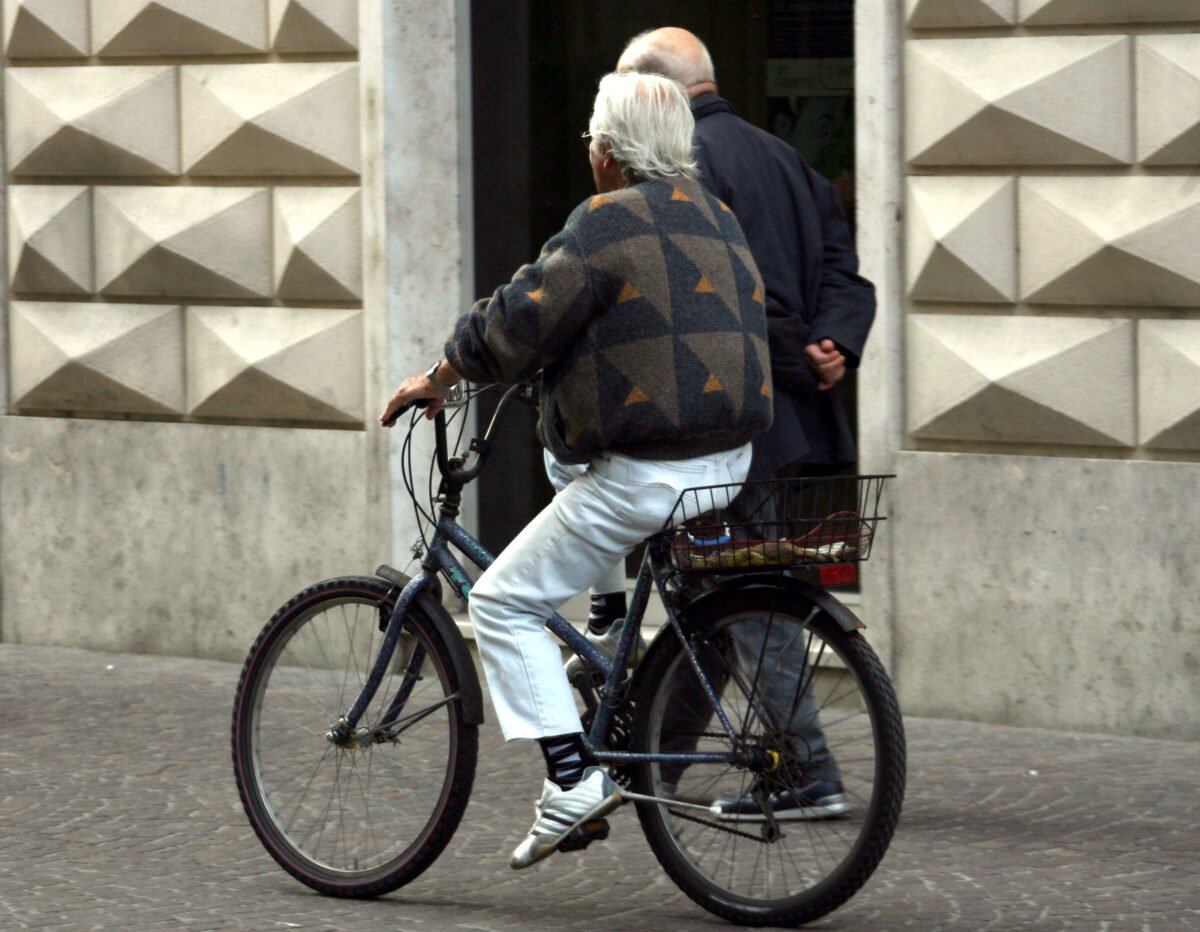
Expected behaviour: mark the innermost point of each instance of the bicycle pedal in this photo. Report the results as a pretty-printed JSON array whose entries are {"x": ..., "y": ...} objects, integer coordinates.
[{"x": 584, "y": 835}]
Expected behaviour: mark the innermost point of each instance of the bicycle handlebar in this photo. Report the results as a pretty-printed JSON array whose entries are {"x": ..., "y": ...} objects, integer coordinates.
[{"x": 480, "y": 446}]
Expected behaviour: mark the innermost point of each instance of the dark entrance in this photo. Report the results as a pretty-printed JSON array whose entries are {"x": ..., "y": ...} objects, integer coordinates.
[{"x": 786, "y": 65}]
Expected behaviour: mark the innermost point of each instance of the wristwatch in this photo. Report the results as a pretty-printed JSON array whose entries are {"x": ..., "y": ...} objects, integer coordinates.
[{"x": 435, "y": 381}]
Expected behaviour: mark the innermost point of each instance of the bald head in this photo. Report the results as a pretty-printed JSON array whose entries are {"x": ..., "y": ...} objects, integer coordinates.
[{"x": 674, "y": 53}]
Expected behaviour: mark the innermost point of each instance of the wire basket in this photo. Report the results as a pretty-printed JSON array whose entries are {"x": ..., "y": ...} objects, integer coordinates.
[{"x": 776, "y": 524}]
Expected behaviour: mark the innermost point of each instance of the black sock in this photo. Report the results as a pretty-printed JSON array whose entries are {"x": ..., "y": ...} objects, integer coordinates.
[
  {"x": 566, "y": 757},
  {"x": 605, "y": 609}
]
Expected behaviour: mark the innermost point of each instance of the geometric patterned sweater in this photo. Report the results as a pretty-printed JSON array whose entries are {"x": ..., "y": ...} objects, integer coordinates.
[{"x": 645, "y": 314}]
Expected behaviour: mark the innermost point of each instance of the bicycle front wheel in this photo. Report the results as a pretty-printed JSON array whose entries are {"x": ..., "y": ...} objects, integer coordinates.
[
  {"x": 796, "y": 829},
  {"x": 361, "y": 817}
]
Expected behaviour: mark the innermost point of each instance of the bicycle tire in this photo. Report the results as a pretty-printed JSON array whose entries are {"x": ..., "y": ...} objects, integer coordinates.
[
  {"x": 813, "y": 866},
  {"x": 349, "y": 821}
]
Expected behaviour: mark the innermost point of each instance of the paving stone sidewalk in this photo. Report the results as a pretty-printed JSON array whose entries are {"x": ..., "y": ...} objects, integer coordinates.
[{"x": 118, "y": 811}]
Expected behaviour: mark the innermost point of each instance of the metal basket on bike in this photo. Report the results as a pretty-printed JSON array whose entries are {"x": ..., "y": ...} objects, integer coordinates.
[{"x": 778, "y": 524}]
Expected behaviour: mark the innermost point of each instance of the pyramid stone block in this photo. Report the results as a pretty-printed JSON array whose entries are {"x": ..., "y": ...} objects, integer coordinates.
[
  {"x": 961, "y": 238},
  {"x": 943, "y": 14},
  {"x": 1119, "y": 240},
  {"x": 318, "y": 244},
  {"x": 46, "y": 28},
  {"x": 1052, "y": 12},
  {"x": 1021, "y": 379},
  {"x": 1168, "y": 99},
  {"x": 49, "y": 239},
  {"x": 178, "y": 27},
  {"x": 183, "y": 241},
  {"x": 271, "y": 119},
  {"x": 119, "y": 120},
  {"x": 276, "y": 364},
  {"x": 1169, "y": 384},
  {"x": 97, "y": 358},
  {"x": 313, "y": 25},
  {"x": 1054, "y": 100}
]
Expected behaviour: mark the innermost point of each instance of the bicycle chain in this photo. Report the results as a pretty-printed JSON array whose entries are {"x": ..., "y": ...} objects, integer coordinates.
[{"x": 716, "y": 825}]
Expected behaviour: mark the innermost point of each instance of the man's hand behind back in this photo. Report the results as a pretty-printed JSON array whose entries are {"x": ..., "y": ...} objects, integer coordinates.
[{"x": 827, "y": 361}]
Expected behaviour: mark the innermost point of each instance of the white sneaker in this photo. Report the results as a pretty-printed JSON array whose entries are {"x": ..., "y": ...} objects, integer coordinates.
[
  {"x": 606, "y": 643},
  {"x": 559, "y": 812}
]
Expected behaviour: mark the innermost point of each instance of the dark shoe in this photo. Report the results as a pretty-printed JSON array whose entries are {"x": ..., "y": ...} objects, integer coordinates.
[{"x": 824, "y": 800}]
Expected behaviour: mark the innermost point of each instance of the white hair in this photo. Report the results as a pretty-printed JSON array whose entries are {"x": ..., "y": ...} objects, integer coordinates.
[
  {"x": 651, "y": 57},
  {"x": 645, "y": 121}
]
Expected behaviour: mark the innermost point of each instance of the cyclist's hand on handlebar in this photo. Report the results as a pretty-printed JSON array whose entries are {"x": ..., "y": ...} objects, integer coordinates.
[{"x": 414, "y": 392}]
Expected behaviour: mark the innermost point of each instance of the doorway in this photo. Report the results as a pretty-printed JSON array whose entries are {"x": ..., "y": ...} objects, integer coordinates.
[{"x": 785, "y": 65}]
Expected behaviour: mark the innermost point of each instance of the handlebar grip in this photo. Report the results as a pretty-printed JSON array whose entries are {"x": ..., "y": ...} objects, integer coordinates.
[{"x": 415, "y": 403}]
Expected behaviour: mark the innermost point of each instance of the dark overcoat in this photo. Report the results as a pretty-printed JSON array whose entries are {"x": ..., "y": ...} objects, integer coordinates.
[{"x": 801, "y": 241}]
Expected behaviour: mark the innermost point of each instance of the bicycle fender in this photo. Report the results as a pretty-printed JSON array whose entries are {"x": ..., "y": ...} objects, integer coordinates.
[
  {"x": 471, "y": 696},
  {"x": 815, "y": 596}
]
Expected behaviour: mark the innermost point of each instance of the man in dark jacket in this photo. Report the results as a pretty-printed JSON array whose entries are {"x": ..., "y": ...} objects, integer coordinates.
[{"x": 819, "y": 310}]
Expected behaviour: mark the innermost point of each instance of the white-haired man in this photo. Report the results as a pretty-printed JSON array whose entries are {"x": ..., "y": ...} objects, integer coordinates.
[{"x": 645, "y": 316}]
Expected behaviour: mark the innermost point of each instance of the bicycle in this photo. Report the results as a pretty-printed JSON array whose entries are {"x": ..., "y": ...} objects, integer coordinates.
[{"x": 355, "y": 725}]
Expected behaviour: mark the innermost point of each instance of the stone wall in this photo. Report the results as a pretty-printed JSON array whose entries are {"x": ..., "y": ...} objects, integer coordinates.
[
  {"x": 1044, "y": 571},
  {"x": 199, "y": 307}
]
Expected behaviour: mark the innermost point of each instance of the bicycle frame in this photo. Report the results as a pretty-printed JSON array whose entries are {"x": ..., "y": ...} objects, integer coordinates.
[{"x": 440, "y": 559}]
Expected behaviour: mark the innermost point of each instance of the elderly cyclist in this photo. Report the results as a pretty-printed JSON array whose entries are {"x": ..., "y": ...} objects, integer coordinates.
[{"x": 645, "y": 315}]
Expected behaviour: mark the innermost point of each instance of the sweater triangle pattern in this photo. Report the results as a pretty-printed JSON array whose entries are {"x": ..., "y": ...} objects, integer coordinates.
[{"x": 641, "y": 316}]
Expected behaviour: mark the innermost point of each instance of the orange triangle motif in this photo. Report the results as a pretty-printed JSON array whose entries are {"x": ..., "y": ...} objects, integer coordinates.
[
  {"x": 537, "y": 295},
  {"x": 704, "y": 285},
  {"x": 758, "y": 295},
  {"x": 678, "y": 195},
  {"x": 599, "y": 201},
  {"x": 766, "y": 388},
  {"x": 712, "y": 385},
  {"x": 636, "y": 396},
  {"x": 725, "y": 207},
  {"x": 628, "y": 293}
]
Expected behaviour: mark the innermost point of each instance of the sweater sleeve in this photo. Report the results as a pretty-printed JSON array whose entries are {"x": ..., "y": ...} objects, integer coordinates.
[{"x": 529, "y": 322}]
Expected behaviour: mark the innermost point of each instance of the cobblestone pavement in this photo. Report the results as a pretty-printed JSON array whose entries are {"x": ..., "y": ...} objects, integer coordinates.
[{"x": 118, "y": 810}]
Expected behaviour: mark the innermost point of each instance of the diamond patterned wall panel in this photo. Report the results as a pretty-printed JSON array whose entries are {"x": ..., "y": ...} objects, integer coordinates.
[
  {"x": 1121, "y": 240},
  {"x": 1055, "y": 100},
  {"x": 1169, "y": 384},
  {"x": 97, "y": 358},
  {"x": 313, "y": 25},
  {"x": 934, "y": 14},
  {"x": 1021, "y": 379},
  {"x": 120, "y": 120},
  {"x": 183, "y": 241},
  {"x": 46, "y": 28},
  {"x": 178, "y": 27},
  {"x": 1049, "y": 12},
  {"x": 961, "y": 238},
  {"x": 271, "y": 363},
  {"x": 271, "y": 119},
  {"x": 1168, "y": 99},
  {"x": 318, "y": 243},
  {"x": 49, "y": 239}
]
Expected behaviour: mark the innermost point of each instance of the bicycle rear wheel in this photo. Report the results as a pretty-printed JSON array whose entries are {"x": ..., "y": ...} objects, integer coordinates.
[
  {"x": 816, "y": 707},
  {"x": 363, "y": 819}
]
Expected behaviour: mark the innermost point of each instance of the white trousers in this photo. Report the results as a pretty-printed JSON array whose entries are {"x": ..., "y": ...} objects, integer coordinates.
[
  {"x": 592, "y": 524},
  {"x": 560, "y": 476}
]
